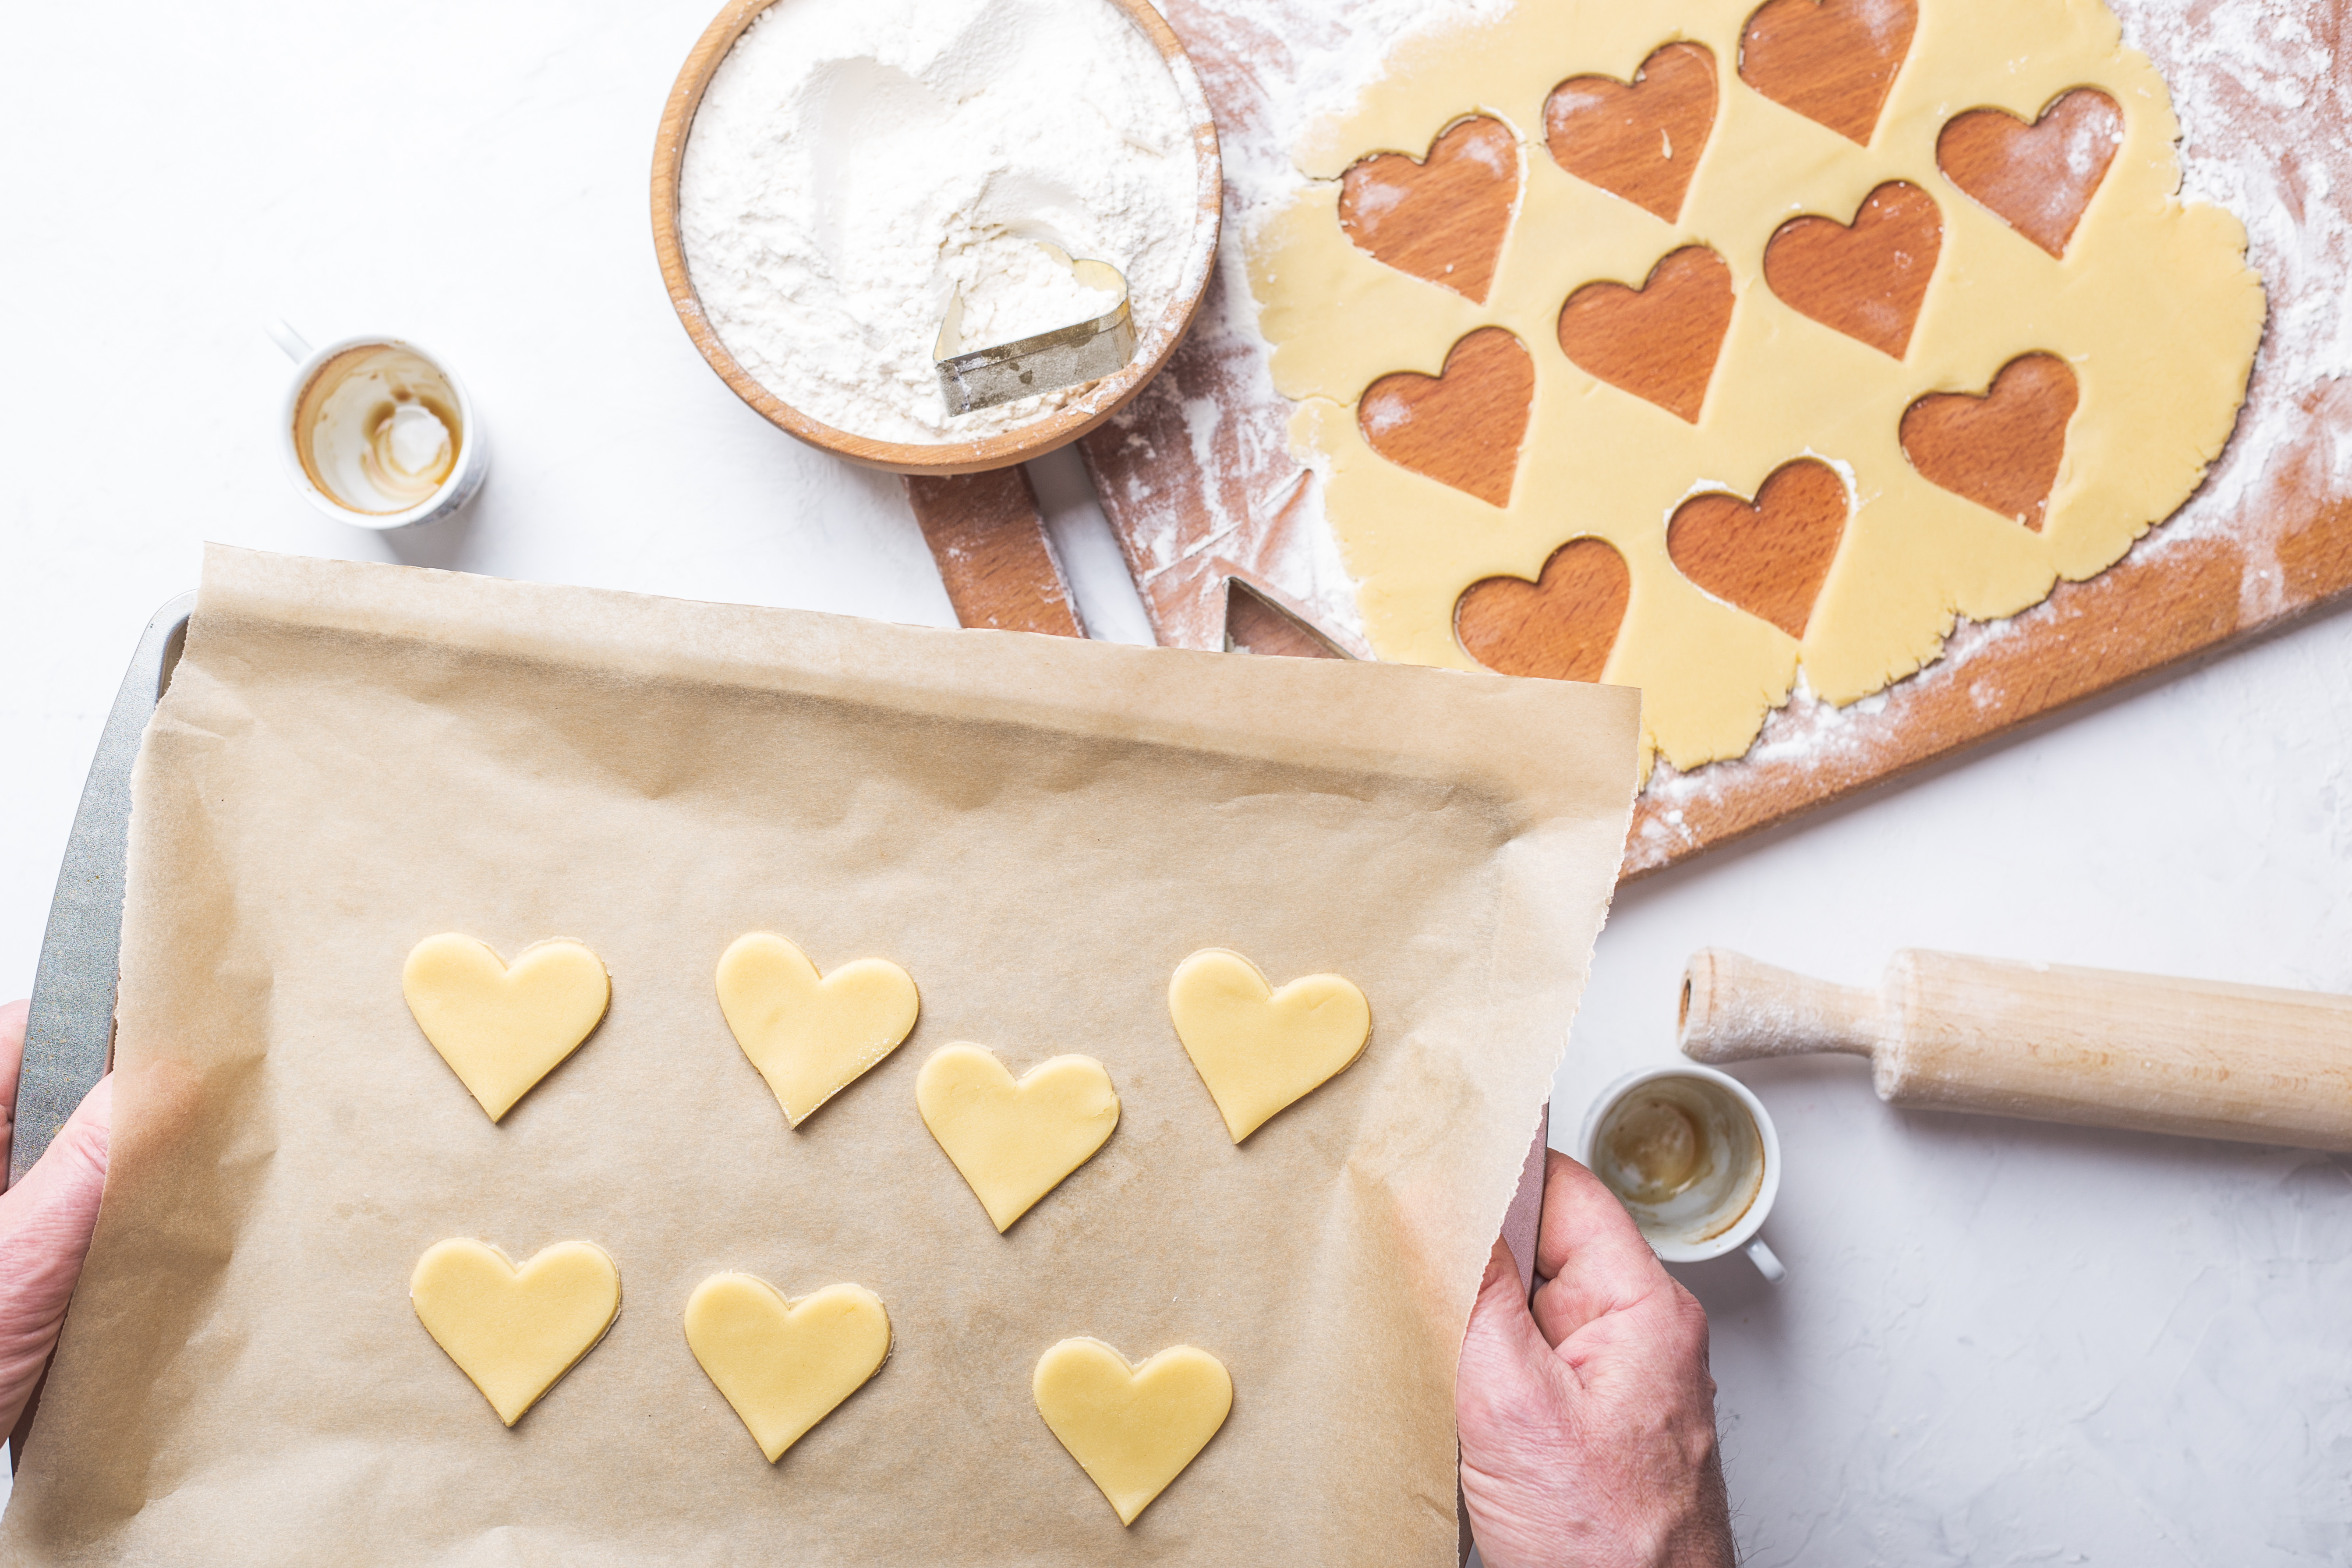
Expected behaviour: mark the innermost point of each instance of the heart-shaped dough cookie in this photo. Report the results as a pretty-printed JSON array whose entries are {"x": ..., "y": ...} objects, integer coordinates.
[
  {"x": 515, "y": 1332},
  {"x": 812, "y": 1035},
  {"x": 1014, "y": 1143},
  {"x": 1258, "y": 1048},
  {"x": 501, "y": 1028},
  {"x": 784, "y": 1365},
  {"x": 1131, "y": 1428}
]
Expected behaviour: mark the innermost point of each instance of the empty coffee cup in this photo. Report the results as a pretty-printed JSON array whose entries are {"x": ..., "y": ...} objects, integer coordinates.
[
  {"x": 1691, "y": 1153},
  {"x": 378, "y": 433}
]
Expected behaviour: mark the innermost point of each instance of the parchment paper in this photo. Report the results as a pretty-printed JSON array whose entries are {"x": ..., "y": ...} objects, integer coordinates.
[{"x": 351, "y": 758}]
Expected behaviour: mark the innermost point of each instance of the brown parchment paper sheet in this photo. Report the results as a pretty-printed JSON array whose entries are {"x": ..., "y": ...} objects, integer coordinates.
[{"x": 353, "y": 757}]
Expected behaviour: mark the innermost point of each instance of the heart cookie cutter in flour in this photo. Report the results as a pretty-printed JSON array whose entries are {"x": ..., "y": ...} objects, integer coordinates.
[
  {"x": 1156, "y": 336},
  {"x": 974, "y": 378}
]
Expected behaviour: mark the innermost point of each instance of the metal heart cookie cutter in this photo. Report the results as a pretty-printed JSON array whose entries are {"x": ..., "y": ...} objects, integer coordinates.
[{"x": 973, "y": 379}]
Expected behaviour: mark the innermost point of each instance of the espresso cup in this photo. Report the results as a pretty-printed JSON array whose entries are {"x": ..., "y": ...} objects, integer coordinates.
[
  {"x": 1691, "y": 1153},
  {"x": 377, "y": 433}
]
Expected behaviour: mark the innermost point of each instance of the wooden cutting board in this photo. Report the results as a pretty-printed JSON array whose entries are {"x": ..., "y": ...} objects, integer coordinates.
[{"x": 1199, "y": 481}]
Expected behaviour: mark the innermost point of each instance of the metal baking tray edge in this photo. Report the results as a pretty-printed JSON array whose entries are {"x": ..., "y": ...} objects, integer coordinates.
[{"x": 70, "y": 1037}]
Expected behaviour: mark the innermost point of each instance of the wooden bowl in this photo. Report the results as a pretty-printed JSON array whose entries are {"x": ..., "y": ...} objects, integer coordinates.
[{"x": 1155, "y": 339}]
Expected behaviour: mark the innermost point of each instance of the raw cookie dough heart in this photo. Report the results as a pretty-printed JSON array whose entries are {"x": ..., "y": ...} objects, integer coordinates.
[
  {"x": 1560, "y": 626},
  {"x": 2036, "y": 178},
  {"x": 1770, "y": 558},
  {"x": 811, "y": 1037},
  {"x": 1832, "y": 61},
  {"x": 2002, "y": 449},
  {"x": 1461, "y": 426},
  {"x": 1257, "y": 1049},
  {"x": 1131, "y": 1428},
  {"x": 1014, "y": 1143},
  {"x": 784, "y": 1365},
  {"x": 1659, "y": 342},
  {"x": 501, "y": 1028},
  {"x": 1443, "y": 218},
  {"x": 515, "y": 1332},
  {"x": 1639, "y": 140},
  {"x": 1866, "y": 279}
]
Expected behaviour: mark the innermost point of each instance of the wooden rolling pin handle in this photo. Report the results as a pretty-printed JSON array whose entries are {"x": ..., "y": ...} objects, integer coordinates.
[
  {"x": 2094, "y": 1047},
  {"x": 1735, "y": 1009}
]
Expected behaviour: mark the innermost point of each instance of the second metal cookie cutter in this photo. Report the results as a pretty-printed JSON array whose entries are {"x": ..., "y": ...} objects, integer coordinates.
[{"x": 973, "y": 379}]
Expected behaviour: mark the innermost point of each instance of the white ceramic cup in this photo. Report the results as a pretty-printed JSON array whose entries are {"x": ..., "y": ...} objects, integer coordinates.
[
  {"x": 1691, "y": 1153},
  {"x": 326, "y": 442}
]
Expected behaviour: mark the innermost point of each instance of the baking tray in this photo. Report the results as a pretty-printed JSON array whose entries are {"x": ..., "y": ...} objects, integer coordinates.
[{"x": 70, "y": 1037}]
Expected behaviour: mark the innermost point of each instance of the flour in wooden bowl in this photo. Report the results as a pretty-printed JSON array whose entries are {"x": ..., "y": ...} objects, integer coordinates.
[{"x": 856, "y": 163}]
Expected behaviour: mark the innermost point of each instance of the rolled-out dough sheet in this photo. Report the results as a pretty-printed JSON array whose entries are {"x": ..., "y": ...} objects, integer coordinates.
[{"x": 2153, "y": 306}]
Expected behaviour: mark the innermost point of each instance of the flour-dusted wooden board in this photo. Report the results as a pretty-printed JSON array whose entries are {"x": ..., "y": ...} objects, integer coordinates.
[{"x": 1198, "y": 477}]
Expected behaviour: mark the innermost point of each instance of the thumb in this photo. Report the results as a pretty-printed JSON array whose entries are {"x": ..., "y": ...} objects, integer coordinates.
[
  {"x": 1503, "y": 1356},
  {"x": 46, "y": 1222}
]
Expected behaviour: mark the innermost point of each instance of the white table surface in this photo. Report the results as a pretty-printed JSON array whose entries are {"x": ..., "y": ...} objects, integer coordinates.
[{"x": 1999, "y": 1342}]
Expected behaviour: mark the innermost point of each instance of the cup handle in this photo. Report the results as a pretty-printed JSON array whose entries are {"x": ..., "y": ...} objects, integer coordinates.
[
  {"x": 1766, "y": 1263},
  {"x": 288, "y": 339}
]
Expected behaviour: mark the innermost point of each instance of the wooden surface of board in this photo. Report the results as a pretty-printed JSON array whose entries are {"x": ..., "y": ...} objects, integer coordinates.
[
  {"x": 1199, "y": 480},
  {"x": 993, "y": 553}
]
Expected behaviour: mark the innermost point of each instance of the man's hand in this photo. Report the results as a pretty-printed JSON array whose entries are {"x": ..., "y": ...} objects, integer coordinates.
[
  {"x": 1588, "y": 1425},
  {"x": 45, "y": 1224}
]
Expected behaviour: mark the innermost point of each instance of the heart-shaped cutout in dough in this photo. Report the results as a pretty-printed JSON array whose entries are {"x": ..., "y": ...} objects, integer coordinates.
[
  {"x": 1258, "y": 1049},
  {"x": 515, "y": 1332},
  {"x": 1014, "y": 1143},
  {"x": 2039, "y": 178},
  {"x": 1866, "y": 279},
  {"x": 1769, "y": 558},
  {"x": 812, "y": 1035},
  {"x": 2001, "y": 449},
  {"x": 1561, "y": 626},
  {"x": 503, "y": 1028},
  {"x": 785, "y": 1366},
  {"x": 1659, "y": 342},
  {"x": 1832, "y": 61},
  {"x": 1462, "y": 426},
  {"x": 1639, "y": 140},
  {"x": 1131, "y": 1428},
  {"x": 1442, "y": 218}
]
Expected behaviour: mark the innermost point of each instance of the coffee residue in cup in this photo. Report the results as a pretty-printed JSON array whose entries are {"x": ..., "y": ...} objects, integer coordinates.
[
  {"x": 377, "y": 429},
  {"x": 1657, "y": 1148}
]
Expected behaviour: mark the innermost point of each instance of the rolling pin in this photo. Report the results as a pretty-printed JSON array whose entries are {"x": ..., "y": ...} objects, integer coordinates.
[{"x": 2089, "y": 1046}]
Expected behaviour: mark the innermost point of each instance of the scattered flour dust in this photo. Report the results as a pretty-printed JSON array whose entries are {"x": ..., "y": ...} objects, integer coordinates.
[{"x": 855, "y": 163}]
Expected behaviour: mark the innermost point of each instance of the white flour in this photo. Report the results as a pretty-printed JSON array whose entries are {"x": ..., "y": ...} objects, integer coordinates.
[{"x": 856, "y": 163}]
